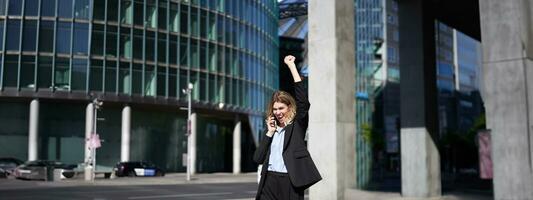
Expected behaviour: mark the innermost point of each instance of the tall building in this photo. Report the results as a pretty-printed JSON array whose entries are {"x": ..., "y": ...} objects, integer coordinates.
[
  {"x": 136, "y": 56},
  {"x": 458, "y": 72},
  {"x": 377, "y": 85}
]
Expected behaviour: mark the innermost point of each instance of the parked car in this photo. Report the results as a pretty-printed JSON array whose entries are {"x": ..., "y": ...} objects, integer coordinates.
[
  {"x": 37, "y": 170},
  {"x": 7, "y": 165},
  {"x": 137, "y": 168}
]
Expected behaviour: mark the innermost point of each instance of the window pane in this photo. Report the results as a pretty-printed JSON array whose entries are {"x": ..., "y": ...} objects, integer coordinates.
[
  {"x": 138, "y": 44},
  {"x": 31, "y": 7},
  {"x": 62, "y": 74},
  {"x": 173, "y": 49},
  {"x": 81, "y": 9},
  {"x": 162, "y": 47},
  {"x": 99, "y": 10},
  {"x": 110, "y": 76},
  {"x": 125, "y": 42},
  {"x": 172, "y": 82},
  {"x": 11, "y": 71},
  {"x": 202, "y": 24},
  {"x": 126, "y": 12},
  {"x": 45, "y": 72},
  {"x": 137, "y": 78},
  {"x": 138, "y": 18},
  {"x": 111, "y": 41},
  {"x": 13, "y": 35},
  {"x": 150, "y": 46},
  {"x": 161, "y": 81},
  {"x": 162, "y": 15},
  {"x": 97, "y": 43},
  {"x": 149, "y": 80},
  {"x": 3, "y": 6},
  {"x": 195, "y": 54},
  {"x": 124, "y": 78},
  {"x": 64, "y": 8},
  {"x": 46, "y": 36},
  {"x": 151, "y": 16},
  {"x": 81, "y": 34},
  {"x": 95, "y": 75},
  {"x": 194, "y": 22},
  {"x": 79, "y": 74},
  {"x": 184, "y": 49},
  {"x": 112, "y": 10},
  {"x": 48, "y": 8},
  {"x": 1, "y": 33},
  {"x": 29, "y": 35},
  {"x": 184, "y": 25},
  {"x": 173, "y": 18},
  {"x": 15, "y": 7},
  {"x": 63, "y": 37}
]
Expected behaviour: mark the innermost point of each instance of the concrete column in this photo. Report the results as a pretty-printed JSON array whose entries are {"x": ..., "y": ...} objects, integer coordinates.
[
  {"x": 331, "y": 134},
  {"x": 419, "y": 112},
  {"x": 237, "y": 148},
  {"x": 33, "y": 127},
  {"x": 126, "y": 130},
  {"x": 89, "y": 117},
  {"x": 508, "y": 83},
  {"x": 192, "y": 140}
]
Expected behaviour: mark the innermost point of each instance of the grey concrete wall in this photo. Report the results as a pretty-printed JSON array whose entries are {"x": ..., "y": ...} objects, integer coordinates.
[
  {"x": 507, "y": 41},
  {"x": 418, "y": 94},
  {"x": 331, "y": 139}
]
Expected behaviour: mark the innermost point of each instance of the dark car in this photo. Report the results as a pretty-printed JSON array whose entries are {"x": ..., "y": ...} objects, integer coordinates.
[
  {"x": 137, "y": 168},
  {"x": 7, "y": 165},
  {"x": 37, "y": 170}
]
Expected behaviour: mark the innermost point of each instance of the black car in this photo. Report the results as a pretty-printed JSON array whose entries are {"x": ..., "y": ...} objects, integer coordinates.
[
  {"x": 137, "y": 168},
  {"x": 7, "y": 165}
]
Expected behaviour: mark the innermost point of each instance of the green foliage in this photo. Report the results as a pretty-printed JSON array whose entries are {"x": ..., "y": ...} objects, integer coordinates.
[{"x": 373, "y": 137}]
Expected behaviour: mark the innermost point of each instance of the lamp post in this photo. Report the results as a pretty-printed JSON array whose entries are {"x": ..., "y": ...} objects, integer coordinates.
[
  {"x": 188, "y": 91},
  {"x": 96, "y": 106}
]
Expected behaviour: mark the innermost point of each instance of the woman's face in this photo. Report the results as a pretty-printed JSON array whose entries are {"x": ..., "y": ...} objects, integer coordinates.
[{"x": 280, "y": 111}]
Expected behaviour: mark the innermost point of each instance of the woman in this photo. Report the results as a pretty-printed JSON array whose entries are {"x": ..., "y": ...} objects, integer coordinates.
[{"x": 287, "y": 166}]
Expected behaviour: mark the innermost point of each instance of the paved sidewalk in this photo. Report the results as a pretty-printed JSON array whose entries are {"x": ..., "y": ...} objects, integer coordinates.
[{"x": 372, "y": 195}]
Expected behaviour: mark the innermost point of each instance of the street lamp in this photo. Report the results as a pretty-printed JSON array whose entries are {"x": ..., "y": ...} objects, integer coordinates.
[
  {"x": 188, "y": 91},
  {"x": 97, "y": 104}
]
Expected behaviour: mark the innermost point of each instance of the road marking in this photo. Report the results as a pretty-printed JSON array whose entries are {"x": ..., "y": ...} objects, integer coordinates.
[{"x": 179, "y": 195}]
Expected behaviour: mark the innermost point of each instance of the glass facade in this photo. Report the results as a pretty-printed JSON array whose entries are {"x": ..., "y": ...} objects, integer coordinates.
[{"x": 143, "y": 49}]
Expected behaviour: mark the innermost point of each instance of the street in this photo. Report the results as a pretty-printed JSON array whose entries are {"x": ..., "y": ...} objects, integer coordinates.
[{"x": 179, "y": 191}]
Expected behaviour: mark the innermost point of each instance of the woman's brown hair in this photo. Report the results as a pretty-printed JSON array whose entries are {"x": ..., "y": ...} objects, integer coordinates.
[{"x": 287, "y": 99}]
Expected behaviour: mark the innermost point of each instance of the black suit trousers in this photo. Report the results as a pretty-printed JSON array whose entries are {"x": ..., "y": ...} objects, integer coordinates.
[{"x": 278, "y": 187}]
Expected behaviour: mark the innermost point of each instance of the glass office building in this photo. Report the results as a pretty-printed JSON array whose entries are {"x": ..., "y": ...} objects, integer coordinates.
[{"x": 138, "y": 53}]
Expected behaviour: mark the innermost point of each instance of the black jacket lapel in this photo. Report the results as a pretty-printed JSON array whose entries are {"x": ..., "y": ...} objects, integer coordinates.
[{"x": 288, "y": 133}]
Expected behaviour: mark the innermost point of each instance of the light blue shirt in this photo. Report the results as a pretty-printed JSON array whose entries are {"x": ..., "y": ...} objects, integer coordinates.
[{"x": 275, "y": 161}]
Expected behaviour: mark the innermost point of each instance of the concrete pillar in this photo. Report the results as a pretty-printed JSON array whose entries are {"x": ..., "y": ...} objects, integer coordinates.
[
  {"x": 331, "y": 133},
  {"x": 89, "y": 117},
  {"x": 126, "y": 130},
  {"x": 507, "y": 42},
  {"x": 33, "y": 127},
  {"x": 237, "y": 148},
  {"x": 418, "y": 95},
  {"x": 192, "y": 140}
]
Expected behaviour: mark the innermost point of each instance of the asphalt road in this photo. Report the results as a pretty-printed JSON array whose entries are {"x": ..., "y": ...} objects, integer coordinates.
[{"x": 222, "y": 191}]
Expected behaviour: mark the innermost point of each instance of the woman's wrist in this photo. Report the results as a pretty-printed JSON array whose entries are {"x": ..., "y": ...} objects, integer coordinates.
[{"x": 270, "y": 133}]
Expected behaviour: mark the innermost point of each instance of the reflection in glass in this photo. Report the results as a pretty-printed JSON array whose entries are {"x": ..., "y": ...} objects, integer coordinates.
[
  {"x": 46, "y": 36},
  {"x": 173, "y": 18},
  {"x": 162, "y": 47},
  {"x": 137, "y": 78},
  {"x": 184, "y": 25},
  {"x": 97, "y": 43},
  {"x": 112, "y": 10},
  {"x": 62, "y": 74},
  {"x": 124, "y": 78},
  {"x": 151, "y": 16},
  {"x": 161, "y": 81},
  {"x": 111, "y": 41},
  {"x": 138, "y": 18},
  {"x": 162, "y": 15},
  {"x": 81, "y": 9},
  {"x": 125, "y": 42},
  {"x": 99, "y": 10},
  {"x": 138, "y": 44},
  {"x": 149, "y": 81},
  {"x": 11, "y": 70},
  {"x": 15, "y": 7},
  {"x": 3, "y": 7},
  {"x": 150, "y": 45},
  {"x": 96, "y": 75},
  {"x": 110, "y": 76},
  {"x": 172, "y": 82},
  {"x": 126, "y": 12}
]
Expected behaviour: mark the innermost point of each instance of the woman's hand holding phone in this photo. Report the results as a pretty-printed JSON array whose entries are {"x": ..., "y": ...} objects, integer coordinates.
[{"x": 271, "y": 125}]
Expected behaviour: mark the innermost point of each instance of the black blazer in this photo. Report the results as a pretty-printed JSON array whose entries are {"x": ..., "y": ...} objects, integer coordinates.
[{"x": 300, "y": 167}]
